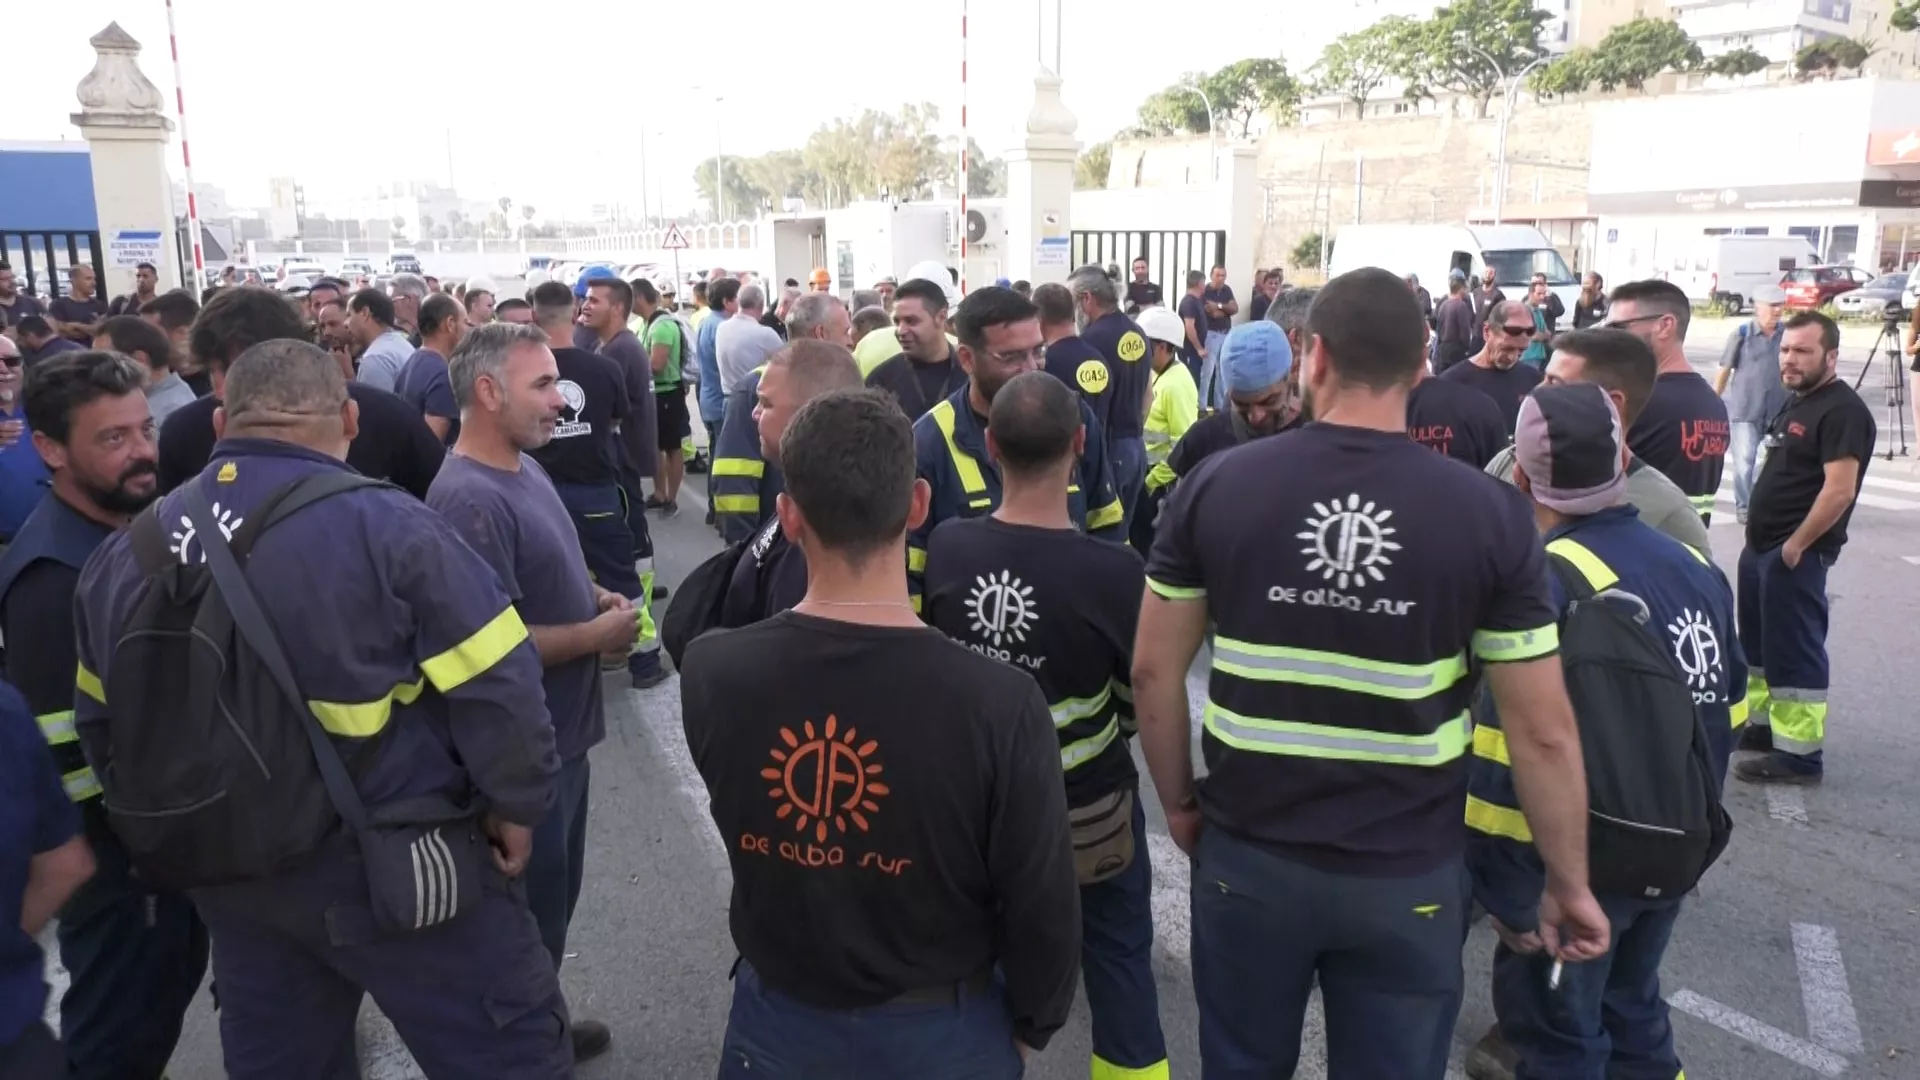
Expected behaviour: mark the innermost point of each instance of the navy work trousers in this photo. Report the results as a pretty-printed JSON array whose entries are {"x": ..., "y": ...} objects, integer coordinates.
[
  {"x": 603, "y": 516},
  {"x": 559, "y": 857},
  {"x": 1116, "y": 961},
  {"x": 969, "y": 1037},
  {"x": 1386, "y": 952},
  {"x": 1607, "y": 1020},
  {"x": 136, "y": 957},
  {"x": 36, "y": 1054},
  {"x": 1127, "y": 458},
  {"x": 474, "y": 998},
  {"x": 1782, "y": 615}
]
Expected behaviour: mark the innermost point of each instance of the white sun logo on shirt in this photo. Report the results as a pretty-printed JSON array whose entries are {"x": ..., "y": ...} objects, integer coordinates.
[
  {"x": 1002, "y": 607},
  {"x": 1348, "y": 542},
  {"x": 183, "y": 538}
]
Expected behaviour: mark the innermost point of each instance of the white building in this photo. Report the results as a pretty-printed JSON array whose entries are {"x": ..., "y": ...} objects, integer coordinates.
[
  {"x": 1777, "y": 29},
  {"x": 1839, "y": 165}
]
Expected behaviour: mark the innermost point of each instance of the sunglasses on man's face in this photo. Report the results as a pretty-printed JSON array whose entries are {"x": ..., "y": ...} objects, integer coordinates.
[{"x": 1517, "y": 331}]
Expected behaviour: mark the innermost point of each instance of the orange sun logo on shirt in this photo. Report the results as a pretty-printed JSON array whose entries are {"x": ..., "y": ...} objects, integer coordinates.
[{"x": 825, "y": 775}]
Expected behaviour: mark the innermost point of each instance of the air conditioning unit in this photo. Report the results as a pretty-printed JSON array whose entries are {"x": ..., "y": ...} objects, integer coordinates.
[{"x": 986, "y": 228}]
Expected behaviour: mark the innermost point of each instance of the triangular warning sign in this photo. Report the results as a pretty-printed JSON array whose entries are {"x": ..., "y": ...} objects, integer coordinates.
[{"x": 674, "y": 241}]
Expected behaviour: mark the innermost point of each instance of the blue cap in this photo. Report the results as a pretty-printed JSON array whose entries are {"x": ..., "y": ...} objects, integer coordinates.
[
  {"x": 1003, "y": 283},
  {"x": 590, "y": 274},
  {"x": 1256, "y": 357}
]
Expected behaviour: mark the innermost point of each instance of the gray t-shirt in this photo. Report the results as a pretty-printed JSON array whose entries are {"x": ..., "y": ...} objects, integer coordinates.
[
  {"x": 1660, "y": 501},
  {"x": 166, "y": 395},
  {"x": 380, "y": 365},
  {"x": 516, "y": 522},
  {"x": 639, "y": 431},
  {"x": 740, "y": 345},
  {"x": 1755, "y": 392}
]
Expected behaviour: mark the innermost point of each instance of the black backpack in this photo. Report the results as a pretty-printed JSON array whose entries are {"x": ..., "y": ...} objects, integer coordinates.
[
  {"x": 699, "y": 601},
  {"x": 1655, "y": 823},
  {"x": 213, "y": 778}
]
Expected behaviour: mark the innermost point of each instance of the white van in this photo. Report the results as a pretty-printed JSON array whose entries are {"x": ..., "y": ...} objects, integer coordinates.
[
  {"x": 1724, "y": 271},
  {"x": 1516, "y": 253}
]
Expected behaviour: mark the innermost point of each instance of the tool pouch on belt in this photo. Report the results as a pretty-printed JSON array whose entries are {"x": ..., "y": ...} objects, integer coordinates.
[
  {"x": 422, "y": 875},
  {"x": 1102, "y": 837}
]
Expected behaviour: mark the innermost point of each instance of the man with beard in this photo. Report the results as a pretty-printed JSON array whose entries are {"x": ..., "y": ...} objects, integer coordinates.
[
  {"x": 1496, "y": 370},
  {"x": 145, "y": 278},
  {"x": 771, "y": 575},
  {"x": 503, "y": 505},
  {"x": 999, "y": 339},
  {"x": 136, "y": 954},
  {"x": 1263, "y": 388}
]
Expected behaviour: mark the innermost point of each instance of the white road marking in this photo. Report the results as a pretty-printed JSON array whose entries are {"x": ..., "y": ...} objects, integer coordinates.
[
  {"x": 660, "y": 709},
  {"x": 1913, "y": 560},
  {"x": 1172, "y": 896},
  {"x": 1785, "y": 805},
  {"x": 1865, "y": 498},
  {"x": 382, "y": 1055},
  {"x": 57, "y": 978},
  {"x": 1765, "y": 1036},
  {"x": 1831, "y": 1021}
]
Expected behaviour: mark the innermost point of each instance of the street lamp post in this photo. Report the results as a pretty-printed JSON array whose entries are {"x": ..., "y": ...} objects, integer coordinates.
[
  {"x": 1213, "y": 148},
  {"x": 719, "y": 171},
  {"x": 1508, "y": 96}
]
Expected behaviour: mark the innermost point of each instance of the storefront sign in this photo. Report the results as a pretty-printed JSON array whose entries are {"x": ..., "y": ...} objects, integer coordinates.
[
  {"x": 1839, "y": 194},
  {"x": 1894, "y": 147},
  {"x": 1890, "y": 193}
]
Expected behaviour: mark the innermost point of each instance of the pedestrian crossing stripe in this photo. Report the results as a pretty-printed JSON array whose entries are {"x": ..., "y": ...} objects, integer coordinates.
[{"x": 1870, "y": 492}]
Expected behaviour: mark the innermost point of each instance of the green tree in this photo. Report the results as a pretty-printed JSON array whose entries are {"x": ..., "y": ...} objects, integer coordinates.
[
  {"x": 1469, "y": 47},
  {"x": 1739, "y": 62},
  {"x": 1095, "y": 162},
  {"x": 1905, "y": 17},
  {"x": 1306, "y": 253},
  {"x": 986, "y": 176},
  {"x": 1356, "y": 64},
  {"x": 742, "y": 197},
  {"x": 1570, "y": 74},
  {"x": 1640, "y": 49},
  {"x": 1246, "y": 88},
  {"x": 1830, "y": 56},
  {"x": 1176, "y": 110},
  {"x": 399, "y": 224}
]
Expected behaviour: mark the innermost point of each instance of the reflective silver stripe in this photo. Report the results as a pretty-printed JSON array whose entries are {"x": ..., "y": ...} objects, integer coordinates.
[
  {"x": 450, "y": 896},
  {"x": 1399, "y": 683},
  {"x": 1080, "y": 708},
  {"x": 81, "y": 784},
  {"x": 1076, "y": 754},
  {"x": 419, "y": 887},
  {"x": 1445, "y": 744},
  {"x": 57, "y": 727}
]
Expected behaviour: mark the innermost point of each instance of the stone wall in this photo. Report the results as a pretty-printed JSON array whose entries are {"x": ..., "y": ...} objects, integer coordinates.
[{"x": 1412, "y": 169}]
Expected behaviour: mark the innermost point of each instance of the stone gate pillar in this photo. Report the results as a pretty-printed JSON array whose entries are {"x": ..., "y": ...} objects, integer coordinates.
[
  {"x": 1040, "y": 189},
  {"x": 127, "y": 134}
]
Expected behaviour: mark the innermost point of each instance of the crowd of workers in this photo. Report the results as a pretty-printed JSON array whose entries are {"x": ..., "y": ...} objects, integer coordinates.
[{"x": 1025, "y": 519}]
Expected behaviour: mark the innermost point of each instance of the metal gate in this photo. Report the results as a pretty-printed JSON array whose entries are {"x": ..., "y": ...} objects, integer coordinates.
[
  {"x": 40, "y": 259},
  {"x": 1170, "y": 253}
]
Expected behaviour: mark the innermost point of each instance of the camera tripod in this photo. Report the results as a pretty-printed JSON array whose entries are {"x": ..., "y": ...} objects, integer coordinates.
[{"x": 1887, "y": 346}]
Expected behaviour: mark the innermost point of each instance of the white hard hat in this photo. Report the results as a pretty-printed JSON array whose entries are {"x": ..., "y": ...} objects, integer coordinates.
[
  {"x": 1162, "y": 325},
  {"x": 936, "y": 272}
]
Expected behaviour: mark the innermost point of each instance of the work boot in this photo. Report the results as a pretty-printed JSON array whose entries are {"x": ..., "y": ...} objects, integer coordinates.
[
  {"x": 1491, "y": 1058},
  {"x": 1756, "y": 738},
  {"x": 660, "y": 592},
  {"x": 1778, "y": 768},
  {"x": 590, "y": 1039}
]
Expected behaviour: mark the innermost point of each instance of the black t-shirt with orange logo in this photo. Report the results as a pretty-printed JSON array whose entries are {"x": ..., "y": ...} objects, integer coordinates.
[
  {"x": 1683, "y": 433},
  {"x": 892, "y": 808},
  {"x": 1809, "y": 433}
]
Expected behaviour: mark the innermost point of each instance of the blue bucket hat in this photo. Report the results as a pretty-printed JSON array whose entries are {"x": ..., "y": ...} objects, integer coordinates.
[
  {"x": 588, "y": 276},
  {"x": 1256, "y": 357}
]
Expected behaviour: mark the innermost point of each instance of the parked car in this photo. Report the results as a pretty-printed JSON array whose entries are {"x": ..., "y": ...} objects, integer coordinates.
[
  {"x": 356, "y": 266},
  {"x": 404, "y": 262},
  {"x": 1884, "y": 295},
  {"x": 1814, "y": 286},
  {"x": 1724, "y": 271}
]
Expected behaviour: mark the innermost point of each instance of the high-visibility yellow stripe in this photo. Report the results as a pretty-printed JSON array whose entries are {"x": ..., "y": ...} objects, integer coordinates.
[
  {"x": 1107, "y": 1070},
  {"x": 914, "y": 603},
  {"x": 470, "y": 658},
  {"x": 57, "y": 727},
  {"x": 89, "y": 684},
  {"x": 1512, "y": 646},
  {"x": 1107, "y": 516},
  {"x": 968, "y": 469},
  {"x": 1075, "y": 754},
  {"x": 1490, "y": 743},
  {"x": 364, "y": 719},
  {"x": 1297, "y": 739},
  {"x": 1737, "y": 713},
  {"x": 1599, "y": 576},
  {"x": 916, "y": 560},
  {"x": 1312, "y": 667},
  {"x": 1175, "y": 592},
  {"x": 1072, "y": 709},
  {"x": 81, "y": 784},
  {"x": 1496, "y": 820},
  {"x": 736, "y": 504},
  {"x": 728, "y": 466}
]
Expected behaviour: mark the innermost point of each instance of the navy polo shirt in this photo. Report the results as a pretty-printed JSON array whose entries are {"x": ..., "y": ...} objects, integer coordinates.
[{"x": 35, "y": 817}]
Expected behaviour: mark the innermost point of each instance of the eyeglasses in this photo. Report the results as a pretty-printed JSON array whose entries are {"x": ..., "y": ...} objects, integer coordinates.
[
  {"x": 1516, "y": 331},
  {"x": 1615, "y": 324},
  {"x": 1038, "y": 354}
]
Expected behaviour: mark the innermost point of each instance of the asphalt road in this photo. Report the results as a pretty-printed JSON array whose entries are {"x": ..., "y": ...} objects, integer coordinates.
[{"x": 1798, "y": 957}]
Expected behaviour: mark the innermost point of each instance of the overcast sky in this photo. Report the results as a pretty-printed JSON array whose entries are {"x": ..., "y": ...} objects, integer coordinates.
[{"x": 543, "y": 102}]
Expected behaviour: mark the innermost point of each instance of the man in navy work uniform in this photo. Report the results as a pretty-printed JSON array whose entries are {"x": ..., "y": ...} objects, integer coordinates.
[
  {"x": 1026, "y": 588},
  {"x": 582, "y": 458},
  {"x": 135, "y": 953},
  {"x": 903, "y": 888},
  {"x": 503, "y": 505},
  {"x": 999, "y": 339},
  {"x": 439, "y": 700},
  {"x": 1606, "y": 1017},
  {"x": 43, "y": 859},
  {"x": 1346, "y": 602},
  {"x": 771, "y": 575},
  {"x": 1123, "y": 345},
  {"x": 423, "y": 379},
  {"x": 1817, "y": 448},
  {"x": 745, "y": 484}
]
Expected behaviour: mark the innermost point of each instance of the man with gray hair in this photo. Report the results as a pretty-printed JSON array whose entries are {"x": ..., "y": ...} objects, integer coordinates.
[
  {"x": 503, "y": 505},
  {"x": 821, "y": 316},
  {"x": 1123, "y": 345},
  {"x": 407, "y": 291},
  {"x": 465, "y": 752},
  {"x": 742, "y": 343}
]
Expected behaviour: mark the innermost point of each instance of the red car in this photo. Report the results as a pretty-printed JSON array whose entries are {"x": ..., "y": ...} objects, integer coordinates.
[{"x": 1815, "y": 286}]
